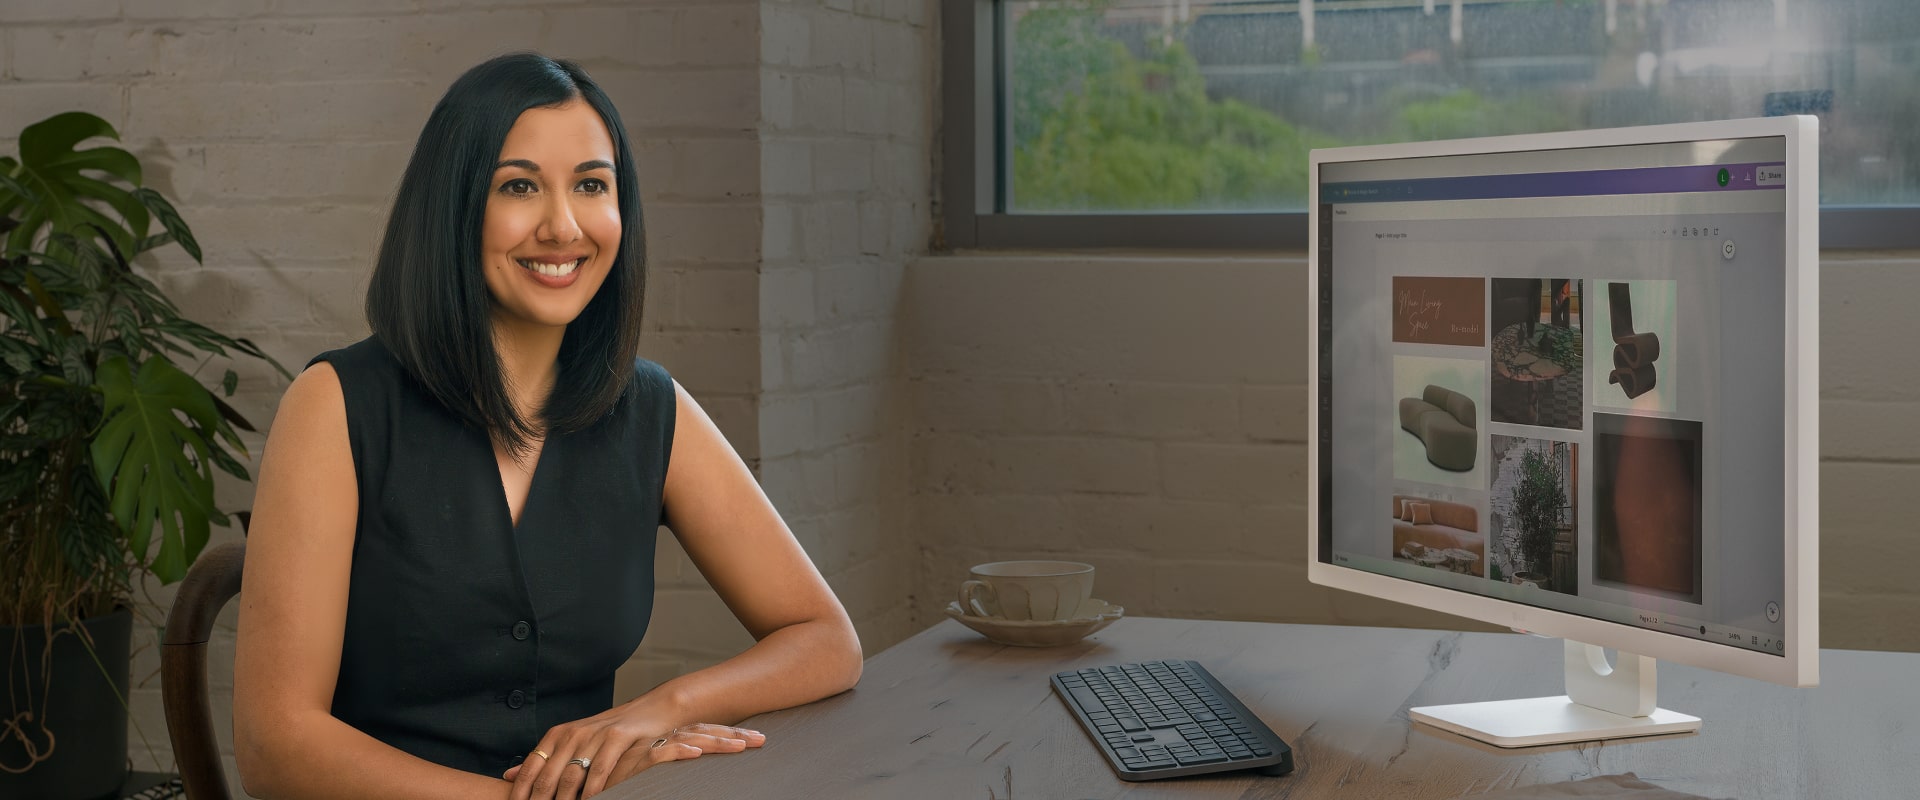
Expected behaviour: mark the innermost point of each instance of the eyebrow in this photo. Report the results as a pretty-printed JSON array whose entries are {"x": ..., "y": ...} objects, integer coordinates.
[{"x": 529, "y": 166}]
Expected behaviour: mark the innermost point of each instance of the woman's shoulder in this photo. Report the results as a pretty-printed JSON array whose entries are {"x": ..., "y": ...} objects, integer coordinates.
[
  {"x": 368, "y": 353},
  {"x": 651, "y": 377}
]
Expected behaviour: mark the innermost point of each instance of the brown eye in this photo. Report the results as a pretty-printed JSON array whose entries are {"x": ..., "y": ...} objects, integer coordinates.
[
  {"x": 518, "y": 187},
  {"x": 593, "y": 186}
]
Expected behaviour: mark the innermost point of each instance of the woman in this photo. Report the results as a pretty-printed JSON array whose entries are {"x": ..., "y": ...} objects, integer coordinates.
[{"x": 453, "y": 534}]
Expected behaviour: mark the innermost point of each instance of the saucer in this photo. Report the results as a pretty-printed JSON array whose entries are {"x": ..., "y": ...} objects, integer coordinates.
[{"x": 1040, "y": 633}]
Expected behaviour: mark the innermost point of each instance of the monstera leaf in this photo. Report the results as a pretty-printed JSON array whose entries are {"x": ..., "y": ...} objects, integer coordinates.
[
  {"x": 61, "y": 178},
  {"x": 141, "y": 456}
]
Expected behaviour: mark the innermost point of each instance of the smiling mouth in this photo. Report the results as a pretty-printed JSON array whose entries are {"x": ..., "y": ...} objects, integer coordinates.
[{"x": 551, "y": 270}]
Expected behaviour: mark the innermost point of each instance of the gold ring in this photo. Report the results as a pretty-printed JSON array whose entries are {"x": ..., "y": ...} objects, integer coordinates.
[{"x": 541, "y": 753}]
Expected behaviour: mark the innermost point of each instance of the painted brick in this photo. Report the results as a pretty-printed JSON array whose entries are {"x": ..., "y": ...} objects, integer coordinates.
[
  {"x": 786, "y": 298},
  {"x": 27, "y": 103},
  {"x": 227, "y": 173},
  {"x": 780, "y": 235},
  {"x": 870, "y": 470},
  {"x": 785, "y": 36},
  {"x": 874, "y": 227},
  {"x": 1067, "y": 464},
  {"x": 682, "y": 234},
  {"x": 1274, "y": 413},
  {"x": 852, "y": 413},
  {"x": 819, "y": 102},
  {"x": 786, "y": 424},
  {"x": 776, "y": 99},
  {"x": 841, "y": 356},
  {"x": 716, "y": 34},
  {"x": 705, "y": 361},
  {"x": 1863, "y": 304},
  {"x": 1154, "y": 525},
  {"x": 858, "y": 291},
  {"x": 786, "y": 167},
  {"x": 1270, "y": 592},
  {"x": 900, "y": 53},
  {"x": 987, "y": 404},
  {"x": 630, "y": 36},
  {"x": 1276, "y": 532},
  {"x": 841, "y": 40},
  {"x": 666, "y": 100},
  {"x": 331, "y": 111},
  {"x": 1153, "y": 410},
  {"x": 715, "y": 168},
  {"x": 63, "y": 11},
  {"x": 1883, "y": 431},
  {"x": 696, "y": 621},
  {"x": 1247, "y": 473},
  {"x": 718, "y": 299},
  {"x": 865, "y": 107},
  {"x": 194, "y": 9}
]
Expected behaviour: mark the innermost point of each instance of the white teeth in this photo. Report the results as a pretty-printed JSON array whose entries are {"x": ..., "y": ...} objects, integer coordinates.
[{"x": 551, "y": 270}]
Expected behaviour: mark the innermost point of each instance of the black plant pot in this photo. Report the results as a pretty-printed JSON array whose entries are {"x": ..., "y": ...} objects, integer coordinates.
[{"x": 80, "y": 707}]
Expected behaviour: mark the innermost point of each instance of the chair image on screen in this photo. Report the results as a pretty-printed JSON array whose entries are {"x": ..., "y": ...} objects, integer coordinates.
[
  {"x": 1443, "y": 420},
  {"x": 1633, "y": 353}
]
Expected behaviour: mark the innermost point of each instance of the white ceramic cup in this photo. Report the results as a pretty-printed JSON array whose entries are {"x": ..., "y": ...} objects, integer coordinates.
[{"x": 1027, "y": 590}]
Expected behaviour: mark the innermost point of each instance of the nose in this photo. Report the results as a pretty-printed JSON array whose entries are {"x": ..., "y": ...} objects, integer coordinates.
[{"x": 559, "y": 227}]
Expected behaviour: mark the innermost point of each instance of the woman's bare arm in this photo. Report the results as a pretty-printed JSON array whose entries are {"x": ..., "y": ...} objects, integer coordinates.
[
  {"x": 806, "y": 648},
  {"x": 293, "y": 612}
]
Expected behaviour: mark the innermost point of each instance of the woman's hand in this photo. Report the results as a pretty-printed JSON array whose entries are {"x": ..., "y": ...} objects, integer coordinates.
[{"x": 615, "y": 749}]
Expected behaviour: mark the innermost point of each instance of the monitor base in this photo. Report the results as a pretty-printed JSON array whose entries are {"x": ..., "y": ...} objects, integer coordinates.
[{"x": 1547, "y": 720}]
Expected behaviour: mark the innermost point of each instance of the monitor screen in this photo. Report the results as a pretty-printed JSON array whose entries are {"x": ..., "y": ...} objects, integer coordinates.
[{"x": 1560, "y": 376}]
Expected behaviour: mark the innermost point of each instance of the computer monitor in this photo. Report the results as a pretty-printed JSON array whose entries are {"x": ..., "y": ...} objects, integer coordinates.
[{"x": 1568, "y": 383}]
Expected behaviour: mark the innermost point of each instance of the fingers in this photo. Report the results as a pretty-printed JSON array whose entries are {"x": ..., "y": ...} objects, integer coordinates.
[
  {"x": 751, "y": 737},
  {"x": 538, "y": 762}
]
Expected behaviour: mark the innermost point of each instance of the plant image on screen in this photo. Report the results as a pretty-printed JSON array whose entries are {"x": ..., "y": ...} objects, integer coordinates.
[{"x": 1533, "y": 493}]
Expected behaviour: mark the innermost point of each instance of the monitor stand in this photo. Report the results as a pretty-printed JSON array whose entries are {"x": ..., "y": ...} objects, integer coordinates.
[{"x": 1601, "y": 702}]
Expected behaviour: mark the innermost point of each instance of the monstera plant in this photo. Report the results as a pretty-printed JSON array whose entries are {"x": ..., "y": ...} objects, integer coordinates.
[{"x": 108, "y": 440}]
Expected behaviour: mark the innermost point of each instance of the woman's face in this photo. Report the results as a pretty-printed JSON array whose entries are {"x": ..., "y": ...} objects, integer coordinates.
[{"x": 552, "y": 225}]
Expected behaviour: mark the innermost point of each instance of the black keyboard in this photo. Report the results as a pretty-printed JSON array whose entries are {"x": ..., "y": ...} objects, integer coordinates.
[{"x": 1165, "y": 719}]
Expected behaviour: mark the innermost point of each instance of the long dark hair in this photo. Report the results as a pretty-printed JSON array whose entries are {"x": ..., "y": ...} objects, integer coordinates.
[{"x": 428, "y": 300}]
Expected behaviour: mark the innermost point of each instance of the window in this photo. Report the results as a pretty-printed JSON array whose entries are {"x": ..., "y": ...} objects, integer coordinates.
[{"x": 1186, "y": 123}]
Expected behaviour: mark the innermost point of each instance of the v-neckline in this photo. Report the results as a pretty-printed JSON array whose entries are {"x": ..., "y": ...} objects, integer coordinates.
[{"x": 533, "y": 484}]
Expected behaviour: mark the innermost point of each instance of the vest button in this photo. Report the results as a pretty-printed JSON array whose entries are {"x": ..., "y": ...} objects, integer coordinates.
[
  {"x": 516, "y": 699},
  {"x": 521, "y": 630}
]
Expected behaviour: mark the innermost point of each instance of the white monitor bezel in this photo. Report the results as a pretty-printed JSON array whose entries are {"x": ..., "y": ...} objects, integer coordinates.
[{"x": 1799, "y": 665}]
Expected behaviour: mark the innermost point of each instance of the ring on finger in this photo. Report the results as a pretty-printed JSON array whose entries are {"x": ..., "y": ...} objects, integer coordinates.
[
  {"x": 657, "y": 742},
  {"x": 585, "y": 763},
  {"x": 541, "y": 753}
]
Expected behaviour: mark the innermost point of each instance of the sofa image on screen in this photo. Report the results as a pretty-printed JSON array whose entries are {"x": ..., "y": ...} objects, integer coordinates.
[
  {"x": 1443, "y": 420},
  {"x": 1436, "y": 536}
]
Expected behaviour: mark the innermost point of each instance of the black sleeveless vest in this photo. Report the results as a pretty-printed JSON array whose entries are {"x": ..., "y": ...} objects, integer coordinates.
[{"x": 467, "y": 638}]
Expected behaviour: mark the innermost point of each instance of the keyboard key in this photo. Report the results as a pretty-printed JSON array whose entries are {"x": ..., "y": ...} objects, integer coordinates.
[
  {"x": 1127, "y": 753},
  {"x": 1202, "y": 758},
  {"x": 1205, "y": 717},
  {"x": 1261, "y": 752},
  {"x": 1130, "y": 723},
  {"x": 1143, "y": 737}
]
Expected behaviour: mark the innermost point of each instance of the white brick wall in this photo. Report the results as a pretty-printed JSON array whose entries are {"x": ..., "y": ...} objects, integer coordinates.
[
  {"x": 1147, "y": 414},
  {"x": 845, "y": 176}
]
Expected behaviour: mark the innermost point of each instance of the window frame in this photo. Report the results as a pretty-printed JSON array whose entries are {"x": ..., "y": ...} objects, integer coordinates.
[{"x": 972, "y": 177}]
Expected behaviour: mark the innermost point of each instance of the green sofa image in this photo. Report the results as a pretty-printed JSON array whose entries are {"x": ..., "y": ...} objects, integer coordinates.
[{"x": 1444, "y": 421}]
